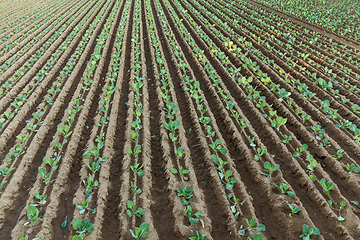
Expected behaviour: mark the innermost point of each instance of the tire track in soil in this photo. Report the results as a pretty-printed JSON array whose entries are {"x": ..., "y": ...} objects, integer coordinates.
[{"x": 111, "y": 225}]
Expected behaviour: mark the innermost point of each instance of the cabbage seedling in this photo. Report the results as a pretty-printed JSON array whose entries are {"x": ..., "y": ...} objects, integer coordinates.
[
  {"x": 282, "y": 187},
  {"x": 191, "y": 216},
  {"x": 41, "y": 198},
  {"x": 136, "y": 168},
  {"x": 352, "y": 168},
  {"x": 82, "y": 227},
  {"x": 84, "y": 205},
  {"x": 181, "y": 171},
  {"x": 200, "y": 236},
  {"x": 141, "y": 231},
  {"x": 132, "y": 210},
  {"x": 294, "y": 210},
  {"x": 327, "y": 186},
  {"x": 251, "y": 227},
  {"x": 186, "y": 193},
  {"x": 270, "y": 168},
  {"x": 307, "y": 232},
  {"x": 32, "y": 214}
]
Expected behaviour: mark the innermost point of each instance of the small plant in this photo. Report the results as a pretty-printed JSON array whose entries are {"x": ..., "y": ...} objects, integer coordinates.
[
  {"x": 352, "y": 168},
  {"x": 52, "y": 161},
  {"x": 342, "y": 205},
  {"x": 172, "y": 125},
  {"x": 298, "y": 151},
  {"x": 137, "y": 169},
  {"x": 230, "y": 181},
  {"x": 5, "y": 171},
  {"x": 33, "y": 214},
  {"x": 136, "y": 151},
  {"x": 252, "y": 140},
  {"x": 141, "y": 231},
  {"x": 179, "y": 152},
  {"x": 282, "y": 187},
  {"x": 294, "y": 210},
  {"x": 186, "y": 193},
  {"x": 260, "y": 152},
  {"x": 339, "y": 154},
  {"x": 251, "y": 227},
  {"x": 135, "y": 188},
  {"x": 132, "y": 210},
  {"x": 307, "y": 232},
  {"x": 270, "y": 168},
  {"x": 191, "y": 216},
  {"x": 181, "y": 171},
  {"x": 217, "y": 146},
  {"x": 287, "y": 139},
  {"x": 327, "y": 186},
  {"x": 82, "y": 227},
  {"x": 44, "y": 175},
  {"x": 90, "y": 184},
  {"x": 41, "y": 198},
  {"x": 313, "y": 163},
  {"x": 84, "y": 205},
  {"x": 278, "y": 122},
  {"x": 198, "y": 236}
]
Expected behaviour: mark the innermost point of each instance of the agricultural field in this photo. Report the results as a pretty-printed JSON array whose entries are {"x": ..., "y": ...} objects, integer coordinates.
[{"x": 178, "y": 119}]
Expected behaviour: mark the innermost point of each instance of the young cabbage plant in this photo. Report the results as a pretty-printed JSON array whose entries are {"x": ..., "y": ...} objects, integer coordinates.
[
  {"x": 186, "y": 194},
  {"x": 342, "y": 205},
  {"x": 327, "y": 186},
  {"x": 307, "y": 232},
  {"x": 90, "y": 184},
  {"x": 298, "y": 151},
  {"x": 200, "y": 236},
  {"x": 141, "y": 231},
  {"x": 132, "y": 210},
  {"x": 294, "y": 210},
  {"x": 135, "y": 188},
  {"x": 137, "y": 169},
  {"x": 270, "y": 168},
  {"x": 85, "y": 205},
  {"x": 82, "y": 227},
  {"x": 192, "y": 216},
  {"x": 251, "y": 227},
  {"x": 33, "y": 214},
  {"x": 41, "y": 198},
  {"x": 181, "y": 171},
  {"x": 282, "y": 187},
  {"x": 352, "y": 168}
]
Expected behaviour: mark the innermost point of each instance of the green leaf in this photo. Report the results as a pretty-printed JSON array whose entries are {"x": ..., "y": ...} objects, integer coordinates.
[
  {"x": 76, "y": 224},
  {"x": 193, "y": 220},
  {"x": 64, "y": 224},
  {"x": 258, "y": 236},
  {"x": 290, "y": 194},
  {"x": 173, "y": 170},
  {"x": 260, "y": 227}
]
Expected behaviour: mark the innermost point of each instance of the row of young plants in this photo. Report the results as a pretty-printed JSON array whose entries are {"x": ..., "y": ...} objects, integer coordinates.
[
  {"x": 35, "y": 122},
  {"x": 298, "y": 151},
  {"x": 226, "y": 175},
  {"x": 64, "y": 132},
  {"x": 15, "y": 58},
  {"x": 339, "y": 17},
  {"x": 171, "y": 123},
  {"x": 28, "y": 20}
]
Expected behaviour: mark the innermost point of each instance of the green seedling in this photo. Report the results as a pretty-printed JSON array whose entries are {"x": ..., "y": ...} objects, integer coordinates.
[
  {"x": 200, "y": 236},
  {"x": 52, "y": 162},
  {"x": 186, "y": 194},
  {"x": 298, "y": 151},
  {"x": 191, "y": 216},
  {"x": 173, "y": 138},
  {"x": 90, "y": 184},
  {"x": 132, "y": 210},
  {"x": 243, "y": 124},
  {"x": 294, "y": 210},
  {"x": 64, "y": 130},
  {"x": 44, "y": 175},
  {"x": 307, "y": 232},
  {"x": 287, "y": 139},
  {"x": 305, "y": 117},
  {"x": 181, "y": 171},
  {"x": 94, "y": 167},
  {"x": 313, "y": 163},
  {"x": 252, "y": 140},
  {"x": 219, "y": 162},
  {"x": 95, "y": 150},
  {"x": 179, "y": 152},
  {"x": 135, "y": 188},
  {"x": 325, "y": 143},
  {"x": 235, "y": 202},
  {"x": 209, "y": 131},
  {"x": 251, "y": 227},
  {"x": 216, "y": 146},
  {"x": 41, "y": 198},
  {"x": 283, "y": 94},
  {"x": 327, "y": 186},
  {"x": 64, "y": 223},
  {"x": 137, "y": 150},
  {"x": 33, "y": 214},
  {"x": 2, "y": 184},
  {"x": 84, "y": 205},
  {"x": 82, "y": 227},
  {"x": 352, "y": 168},
  {"x": 278, "y": 122},
  {"x": 339, "y": 154},
  {"x": 137, "y": 169},
  {"x": 141, "y": 231},
  {"x": 229, "y": 181},
  {"x": 5, "y": 171},
  {"x": 342, "y": 205},
  {"x": 172, "y": 125},
  {"x": 270, "y": 168},
  {"x": 260, "y": 153},
  {"x": 282, "y": 187}
]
